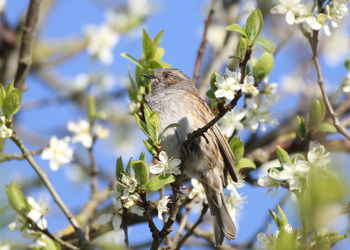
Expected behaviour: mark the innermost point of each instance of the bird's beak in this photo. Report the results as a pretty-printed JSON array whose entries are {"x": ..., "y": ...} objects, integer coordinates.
[{"x": 149, "y": 76}]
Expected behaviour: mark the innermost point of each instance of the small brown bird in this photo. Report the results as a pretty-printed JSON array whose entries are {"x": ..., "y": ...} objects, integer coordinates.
[{"x": 209, "y": 159}]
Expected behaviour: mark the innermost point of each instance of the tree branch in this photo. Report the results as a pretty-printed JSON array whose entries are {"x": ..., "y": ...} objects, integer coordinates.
[
  {"x": 25, "y": 54},
  {"x": 203, "y": 44},
  {"x": 50, "y": 188}
]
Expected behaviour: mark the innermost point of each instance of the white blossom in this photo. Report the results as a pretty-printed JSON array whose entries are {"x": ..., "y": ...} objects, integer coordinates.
[
  {"x": 292, "y": 9},
  {"x": 100, "y": 41},
  {"x": 5, "y": 132},
  {"x": 197, "y": 191},
  {"x": 257, "y": 114},
  {"x": 100, "y": 132},
  {"x": 81, "y": 132},
  {"x": 267, "y": 240},
  {"x": 134, "y": 107},
  {"x": 113, "y": 216},
  {"x": 5, "y": 246},
  {"x": 232, "y": 121},
  {"x": 228, "y": 84},
  {"x": 166, "y": 165},
  {"x": 37, "y": 211},
  {"x": 248, "y": 86},
  {"x": 318, "y": 22},
  {"x": 58, "y": 152},
  {"x": 234, "y": 200},
  {"x": 80, "y": 82},
  {"x": 162, "y": 206},
  {"x": 317, "y": 155}
]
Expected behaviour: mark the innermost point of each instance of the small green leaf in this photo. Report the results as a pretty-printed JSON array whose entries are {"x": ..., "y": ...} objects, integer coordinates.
[
  {"x": 238, "y": 28},
  {"x": 237, "y": 148},
  {"x": 275, "y": 217},
  {"x": 242, "y": 48},
  {"x": 91, "y": 108},
  {"x": 263, "y": 66},
  {"x": 284, "y": 219},
  {"x": 9, "y": 87},
  {"x": 266, "y": 45},
  {"x": 159, "y": 53},
  {"x": 282, "y": 155},
  {"x": 158, "y": 38},
  {"x": 16, "y": 199},
  {"x": 143, "y": 157},
  {"x": 165, "y": 65},
  {"x": 49, "y": 244},
  {"x": 147, "y": 45},
  {"x": 119, "y": 168},
  {"x": 141, "y": 172},
  {"x": 141, "y": 124},
  {"x": 254, "y": 25},
  {"x": 150, "y": 148},
  {"x": 302, "y": 128},
  {"x": 347, "y": 64},
  {"x": 134, "y": 60},
  {"x": 325, "y": 127},
  {"x": 317, "y": 112},
  {"x": 173, "y": 125},
  {"x": 245, "y": 163},
  {"x": 159, "y": 181},
  {"x": 128, "y": 165},
  {"x": 155, "y": 64},
  {"x": 2, "y": 95},
  {"x": 12, "y": 102}
]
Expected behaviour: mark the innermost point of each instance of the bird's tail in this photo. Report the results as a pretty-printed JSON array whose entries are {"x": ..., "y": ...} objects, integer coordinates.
[{"x": 223, "y": 223}]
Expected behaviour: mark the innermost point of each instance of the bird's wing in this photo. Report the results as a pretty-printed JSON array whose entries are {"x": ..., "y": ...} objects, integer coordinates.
[{"x": 221, "y": 140}]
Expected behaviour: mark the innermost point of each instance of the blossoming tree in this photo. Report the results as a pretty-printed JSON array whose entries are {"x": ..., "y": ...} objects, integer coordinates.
[{"x": 289, "y": 137}]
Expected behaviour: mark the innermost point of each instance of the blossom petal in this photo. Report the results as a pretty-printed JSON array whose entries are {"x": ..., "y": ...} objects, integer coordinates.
[
  {"x": 156, "y": 169},
  {"x": 116, "y": 222},
  {"x": 163, "y": 157},
  {"x": 104, "y": 219}
]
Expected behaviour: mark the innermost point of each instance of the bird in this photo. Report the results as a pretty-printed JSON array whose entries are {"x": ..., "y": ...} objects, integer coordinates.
[{"x": 208, "y": 158}]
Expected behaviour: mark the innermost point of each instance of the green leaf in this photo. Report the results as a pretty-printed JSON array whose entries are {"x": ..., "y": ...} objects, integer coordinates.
[
  {"x": 237, "y": 148},
  {"x": 141, "y": 124},
  {"x": 119, "y": 168},
  {"x": 173, "y": 125},
  {"x": 147, "y": 45},
  {"x": 141, "y": 172},
  {"x": 284, "y": 219},
  {"x": 143, "y": 157},
  {"x": 49, "y": 244},
  {"x": 302, "y": 128},
  {"x": 347, "y": 64},
  {"x": 134, "y": 60},
  {"x": 16, "y": 199},
  {"x": 150, "y": 147},
  {"x": 155, "y": 64},
  {"x": 263, "y": 66},
  {"x": 245, "y": 163},
  {"x": 158, "y": 38},
  {"x": 317, "y": 112},
  {"x": 282, "y": 155},
  {"x": 2, "y": 95},
  {"x": 242, "y": 48},
  {"x": 238, "y": 28},
  {"x": 159, "y": 53},
  {"x": 128, "y": 165},
  {"x": 91, "y": 108},
  {"x": 9, "y": 87},
  {"x": 254, "y": 25},
  {"x": 165, "y": 65},
  {"x": 266, "y": 45},
  {"x": 325, "y": 127},
  {"x": 159, "y": 181},
  {"x": 12, "y": 102},
  {"x": 152, "y": 123}
]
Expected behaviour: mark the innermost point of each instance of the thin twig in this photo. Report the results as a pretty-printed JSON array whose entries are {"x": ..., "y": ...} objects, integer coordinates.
[
  {"x": 25, "y": 54},
  {"x": 9, "y": 157},
  {"x": 50, "y": 188},
  {"x": 225, "y": 109},
  {"x": 146, "y": 206},
  {"x": 184, "y": 220},
  {"x": 93, "y": 170},
  {"x": 203, "y": 44},
  {"x": 313, "y": 41},
  {"x": 195, "y": 225}
]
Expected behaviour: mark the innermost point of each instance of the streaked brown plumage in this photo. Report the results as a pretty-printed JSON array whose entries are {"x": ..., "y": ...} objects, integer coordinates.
[{"x": 177, "y": 100}]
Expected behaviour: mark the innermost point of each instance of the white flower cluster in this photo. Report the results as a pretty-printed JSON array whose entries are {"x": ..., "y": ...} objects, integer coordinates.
[
  {"x": 36, "y": 217},
  {"x": 267, "y": 240},
  {"x": 295, "y": 173},
  {"x": 229, "y": 84},
  {"x": 124, "y": 196},
  {"x": 297, "y": 13},
  {"x": 59, "y": 152},
  {"x": 166, "y": 165},
  {"x": 256, "y": 112},
  {"x": 101, "y": 39},
  {"x": 5, "y": 132}
]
